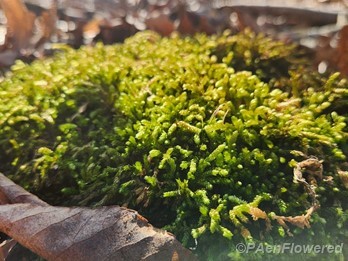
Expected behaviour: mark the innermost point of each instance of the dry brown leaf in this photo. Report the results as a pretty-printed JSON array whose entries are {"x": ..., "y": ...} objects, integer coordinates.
[
  {"x": 307, "y": 173},
  {"x": 281, "y": 221},
  {"x": 160, "y": 23},
  {"x": 190, "y": 23},
  {"x": 106, "y": 233},
  {"x": 20, "y": 23},
  {"x": 47, "y": 22},
  {"x": 115, "y": 31},
  {"x": 205, "y": 26},
  {"x": 62, "y": 233},
  {"x": 314, "y": 170},
  {"x": 186, "y": 23},
  {"x": 257, "y": 213},
  {"x": 301, "y": 221},
  {"x": 312, "y": 166},
  {"x": 25, "y": 32},
  {"x": 247, "y": 20},
  {"x": 11, "y": 193},
  {"x": 342, "y": 50},
  {"x": 91, "y": 29}
]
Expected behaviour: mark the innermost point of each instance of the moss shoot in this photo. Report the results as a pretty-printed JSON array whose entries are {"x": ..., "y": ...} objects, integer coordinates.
[{"x": 201, "y": 135}]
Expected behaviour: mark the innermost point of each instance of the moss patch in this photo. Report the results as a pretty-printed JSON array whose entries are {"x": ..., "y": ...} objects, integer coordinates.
[{"x": 201, "y": 135}]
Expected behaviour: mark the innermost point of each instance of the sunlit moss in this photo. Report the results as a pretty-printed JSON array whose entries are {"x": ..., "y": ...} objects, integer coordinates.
[{"x": 197, "y": 134}]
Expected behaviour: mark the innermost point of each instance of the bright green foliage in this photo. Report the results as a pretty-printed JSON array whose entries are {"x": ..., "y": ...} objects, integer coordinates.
[{"x": 194, "y": 133}]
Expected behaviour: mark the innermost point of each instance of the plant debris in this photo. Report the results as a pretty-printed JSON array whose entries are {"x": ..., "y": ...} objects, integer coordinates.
[{"x": 57, "y": 233}]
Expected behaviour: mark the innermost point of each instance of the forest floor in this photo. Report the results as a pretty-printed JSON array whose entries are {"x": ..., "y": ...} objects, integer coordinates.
[{"x": 28, "y": 30}]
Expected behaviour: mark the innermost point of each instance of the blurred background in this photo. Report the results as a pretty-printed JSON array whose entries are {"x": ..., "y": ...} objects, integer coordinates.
[{"x": 28, "y": 28}]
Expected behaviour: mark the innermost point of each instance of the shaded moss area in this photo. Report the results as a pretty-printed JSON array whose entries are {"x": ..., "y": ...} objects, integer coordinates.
[{"x": 197, "y": 134}]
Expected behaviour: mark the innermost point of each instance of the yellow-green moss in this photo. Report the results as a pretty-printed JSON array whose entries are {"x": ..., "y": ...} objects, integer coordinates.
[{"x": 184, "y": 130}]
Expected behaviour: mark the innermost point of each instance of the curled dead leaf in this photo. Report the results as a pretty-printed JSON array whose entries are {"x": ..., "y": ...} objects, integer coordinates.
[
  {"x": 301, "y": 221},
  {"x": 62, "y": 233},
  {"x": 312, "y": 166},
  {"x": 257, "y": 213},
  {"x": 107, "y": 233},
  {"x": 11, "y": 193},
  {"x": 314, "y": 170},
  {"x": 307, "y": 173}
]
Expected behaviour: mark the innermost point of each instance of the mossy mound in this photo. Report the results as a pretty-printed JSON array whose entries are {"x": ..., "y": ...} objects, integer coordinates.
[{"x": 201, "y": 135}]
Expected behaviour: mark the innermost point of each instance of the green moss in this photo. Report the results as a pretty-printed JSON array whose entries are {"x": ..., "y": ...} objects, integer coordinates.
[{"x": 198, "y": 134}]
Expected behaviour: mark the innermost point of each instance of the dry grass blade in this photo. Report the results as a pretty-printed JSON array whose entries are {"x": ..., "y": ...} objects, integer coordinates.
[
  {"x": 305, "y": 173},
  {"x": 301, "y": 221}
]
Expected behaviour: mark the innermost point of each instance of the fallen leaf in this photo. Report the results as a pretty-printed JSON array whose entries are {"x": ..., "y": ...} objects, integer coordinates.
[
  {"x": 301, "y": 221},
  {"x": 257, "y": 213},
  {"x": 187, "y": 22},
  {"x": 47, "y": 22},
  {"x": 25, "y": 31},
  {"x": 106, "y": 233},
  {"x": 247, "y": 20},
  {"x": 312, "y": 167},
  {"x": 62, "y": 233},
  {"x": 11, "y": 193},
  {"x": 115, "y": 31},
  {"x": 20, "y": 23},
  {"x": 342, "y": 49},
  {"x": 91, "y": 29},
  {"x": 160, "y": 23}
]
